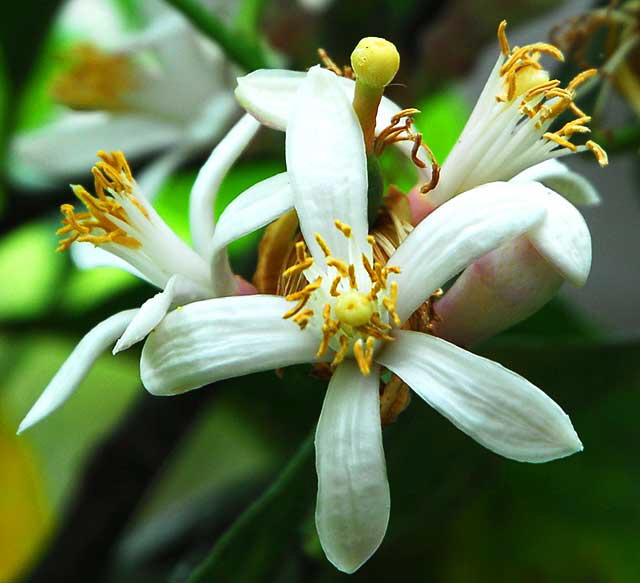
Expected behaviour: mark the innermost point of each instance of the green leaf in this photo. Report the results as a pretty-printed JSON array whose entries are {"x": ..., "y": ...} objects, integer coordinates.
[{"x": 254, "y": 547}]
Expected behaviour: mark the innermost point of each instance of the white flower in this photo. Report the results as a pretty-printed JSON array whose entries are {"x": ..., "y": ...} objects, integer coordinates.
[
  {"x": 351, "y": 313},
  {"x": 507, "y": 137},
  {"x": 162, "y": 89},
  {"x": 120, "y": 219}
]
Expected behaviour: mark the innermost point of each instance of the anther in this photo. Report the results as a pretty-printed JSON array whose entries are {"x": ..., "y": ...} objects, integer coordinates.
[
  {"x": 323, "y": 245},
  {"x": 343, "y": 228}
]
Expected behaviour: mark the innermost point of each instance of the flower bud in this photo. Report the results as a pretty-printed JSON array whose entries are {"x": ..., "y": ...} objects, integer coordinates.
[{"x": 499, "y": 290}]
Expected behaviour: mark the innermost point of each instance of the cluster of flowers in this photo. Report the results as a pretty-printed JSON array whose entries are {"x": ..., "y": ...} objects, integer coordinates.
[{"x": 356, "y": 291}]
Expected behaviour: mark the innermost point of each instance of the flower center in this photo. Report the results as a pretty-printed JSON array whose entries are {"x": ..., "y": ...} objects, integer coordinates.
[
  {"x": 107, "y": 217},
  {"x": 351, "y": 306},
  {"x": 94, "y": 80},
  {"x": 354, "y": 308}
]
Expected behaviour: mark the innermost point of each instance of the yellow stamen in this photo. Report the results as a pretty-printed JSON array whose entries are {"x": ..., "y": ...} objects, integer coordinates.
[
  {"x": 352, "y": 277},
  {"x": 342, "y": 352},
  {"x": 323, "y": 245},
  {"x": 364, "y": 356},
  {"x": 390, "y": 303},
  {"x": 560, "y": 141},
  {"x": 94, "y": 80},
  {"x": 302, "y": 319},
  {"x": 340, "y": 265},
  {"x": 502, "y": 38},
  {"x": 334, "y": 286},
  {"x": 598, "y": 151},
  {"x": 371, "y": 240},
  {"x": 112, "y": 175},
  {"x": 298, "y": 267},
  {"x": 343, "y": 228}
]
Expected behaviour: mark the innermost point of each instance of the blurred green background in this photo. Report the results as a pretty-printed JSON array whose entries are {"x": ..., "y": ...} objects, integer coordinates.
[{"x": 459, "y": 513}]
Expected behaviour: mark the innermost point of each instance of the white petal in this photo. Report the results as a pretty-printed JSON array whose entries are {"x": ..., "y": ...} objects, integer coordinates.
[
  {"x": 498, "y": 408},
  {"x": 254, "y": 208},
  {"x": 76, "y": 367},
  {"x": 68, "y": 147},
  {"x": 268, "y": 95},
  {"x": 222, "y": 338},
  {"x": 178, "y": 290},
  {"x": 327, "y": 165},
  {"x": 88, "y": 256},
  {"x": 459, "y": 232},
  {"x": 352, "y": 511},
  {"x": 563, "y": 238},
  {"x": 556, "y": 176},
  {"x": 205, "y": 188}
]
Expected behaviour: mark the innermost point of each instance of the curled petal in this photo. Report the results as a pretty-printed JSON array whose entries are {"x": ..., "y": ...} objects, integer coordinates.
[
  {"x": 253, "y": 209},
  {"x": 557, "y": 176},
  {"x": 353, "y": 493},
  {"x": 205, "y": 189},
  {"x": 563, "y": 238},
  {"x": 76, "y": 367},
  {"x": 178, "y": 290},
  {"x": 458, "y": 233},
  {"x": 498, "y": 408},
  {"x": 207, "y": 341}
]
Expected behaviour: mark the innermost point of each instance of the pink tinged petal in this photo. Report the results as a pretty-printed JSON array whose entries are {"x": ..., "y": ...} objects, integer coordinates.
[
  {"x": 458, "y": 233},
  {"x": 495, "y": 292},
  {"x": 563, "y": 237},
  {"x": 205, "y": 189},
  {"x": 76, "y": 367},
  {"x": 495, "y": 406},
  {"x": 177, "y": 291},
  {"x": 352, "y": 511},
  {"x": 253, "y": 209},
  {"x": 217, "y": 339},
  {"x": 327, "y": 165},
  {"x": 75, "y": 138},
  {"x": 558, "y": 177}
]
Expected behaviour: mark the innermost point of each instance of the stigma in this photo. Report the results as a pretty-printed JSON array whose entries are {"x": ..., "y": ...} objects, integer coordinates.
[{"x": 351, "y": 306}]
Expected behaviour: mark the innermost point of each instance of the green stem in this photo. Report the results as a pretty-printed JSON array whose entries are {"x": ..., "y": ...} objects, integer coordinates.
[
  {"x": 243, "y": 51},
  {"x": 268, "y": 523}
]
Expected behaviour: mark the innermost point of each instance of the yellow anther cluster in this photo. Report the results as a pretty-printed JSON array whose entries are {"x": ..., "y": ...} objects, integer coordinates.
[
  {"x": 111, "y": 174},
  {"x": 94, "y": 80},
  {"x": 525, "y": 77},
  {"x": 354, "y": 319}
]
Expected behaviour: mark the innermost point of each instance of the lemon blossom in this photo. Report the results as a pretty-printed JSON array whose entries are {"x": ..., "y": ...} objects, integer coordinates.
[
  {"x": 351, "y": 311},
  {"x": 508, "y": 137},
  {"x": 119, "y": 218},
  {"x": 163, "y": 90}
]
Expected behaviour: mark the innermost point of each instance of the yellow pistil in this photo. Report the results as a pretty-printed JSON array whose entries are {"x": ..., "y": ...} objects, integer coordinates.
[
  {"x": 94, "y": 80},
  {"x": 354, "y": 308},
  {"x": 541, "y": 98},
  {"x": 375, "y": 62},
  {"x": 111, "y": 175}
]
